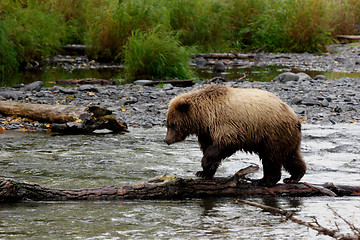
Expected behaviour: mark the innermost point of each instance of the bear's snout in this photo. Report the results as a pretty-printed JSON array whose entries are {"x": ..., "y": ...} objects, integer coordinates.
[
  {"x": 168, "y": 142},
  {"x": 171, "y": 136}
]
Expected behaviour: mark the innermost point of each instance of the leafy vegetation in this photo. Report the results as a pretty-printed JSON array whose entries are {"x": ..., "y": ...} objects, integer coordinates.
[
  {"x": 155, "y": 54},
  {"x": 33, "y": 29}
]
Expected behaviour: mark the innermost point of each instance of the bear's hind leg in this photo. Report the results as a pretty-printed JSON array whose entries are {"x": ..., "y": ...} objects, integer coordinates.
[
  {"x": 272, "y": 173},
  {"x": 210, "y": 162},
  {"x": 296, "y": 166}
]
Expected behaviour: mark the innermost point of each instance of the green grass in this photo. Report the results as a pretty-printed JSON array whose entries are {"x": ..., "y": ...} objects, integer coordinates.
[
  {"x": 156, "y": 55},
  {"x": 201, "y": 23},
  {"x": 114, "y": 24},
  {"x": 8, "y": 58}
]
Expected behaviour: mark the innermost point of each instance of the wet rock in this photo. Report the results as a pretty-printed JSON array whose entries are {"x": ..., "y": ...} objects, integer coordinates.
[
  {"x": 200, "y": 62},
  {"x": 219, "y": 67},
  {"x": 129, "y": 100},
  {"x": 33, "y": 87},
  {"x": 296, "y": 100},
  {"x": 310, "y": 102},
  {"x": 167, "y": 86},
  {"x": 325, "y": 103},
  {"x": 88, "y": 88},
  {"x": 9, "y": 95},
  {"x": 320, "y": 77},
  {"x": 65, "y": 90},
  {"x": 286, "y": 77},
  {"x": 40, "y": 94},
  {"x": 146, "y": 125},
  {"x": 303, "y": 76}
]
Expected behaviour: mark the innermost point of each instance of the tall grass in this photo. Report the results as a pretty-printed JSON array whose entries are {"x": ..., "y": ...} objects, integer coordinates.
[
  {"x": 156, "y": 55},
  {"x": 345, "y": 16},
  {"x": 114, "y": 24},
  {"x": 201, "y": 23},
  {"x": 281, "y": 26},
  {"x": 28, "y": 33},
  {"x": 8, "y": 58}
]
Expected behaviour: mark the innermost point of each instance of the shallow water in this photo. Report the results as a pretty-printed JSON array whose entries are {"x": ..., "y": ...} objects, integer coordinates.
[
  {"x": 50, "y": 74},
  {"x": 331, "y": 152}
]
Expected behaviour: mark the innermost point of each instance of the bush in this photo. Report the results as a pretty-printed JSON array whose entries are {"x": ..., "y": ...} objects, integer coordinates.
[
  {"x": 242, "y": 15},
  {"x": 156, "y": 55},
  {"x": 114, "y": 24},
  {"x": 34, "y": 33},
  {"x": 286, "y": 26},
  {"x": 343, "y": 16},
  {"x": 201, "y": 23},
  {"x": 8, "y": 58}
]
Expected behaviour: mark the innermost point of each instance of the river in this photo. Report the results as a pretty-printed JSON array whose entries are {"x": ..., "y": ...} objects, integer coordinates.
[{"x": 331, "y": 152}]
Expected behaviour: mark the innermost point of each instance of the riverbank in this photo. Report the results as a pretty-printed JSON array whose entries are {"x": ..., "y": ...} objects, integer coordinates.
[{"x": 315, "y": 100}]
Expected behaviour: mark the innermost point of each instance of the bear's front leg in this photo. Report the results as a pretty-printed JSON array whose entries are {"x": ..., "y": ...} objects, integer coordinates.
[{"x": 210, "y": 162}]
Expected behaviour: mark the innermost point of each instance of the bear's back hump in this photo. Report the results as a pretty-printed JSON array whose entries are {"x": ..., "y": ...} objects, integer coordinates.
[{"x": 258, "y": 105}]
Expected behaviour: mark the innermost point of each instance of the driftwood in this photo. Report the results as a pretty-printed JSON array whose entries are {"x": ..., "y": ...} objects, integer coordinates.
[
  {"x": 335, "y": 233},
  {"x": 65, "y": 119},
  {"x": 226, "y": 55},
  {"x": 168, "y": 187},
  {"x": 176, "y": 83},
  {"x": 75, "y": 49},
  {"x": 83, "y": 81},
  {"x": 350, "y": 37}
]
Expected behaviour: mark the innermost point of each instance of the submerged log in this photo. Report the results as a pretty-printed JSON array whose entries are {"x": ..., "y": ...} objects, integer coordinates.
[
  {"x": 167, "y": 187},
  {"x": 65, "y": 119}
]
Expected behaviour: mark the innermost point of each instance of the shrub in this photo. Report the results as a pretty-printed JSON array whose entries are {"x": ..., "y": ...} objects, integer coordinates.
[
  {"x": 343, "y": 16},
  {"x": 289, "y": 26},
  {"x": 114, "y": 24},
  {"x": 156, "y": 55},
  {"x": 201, "y": 23},
  {"x": 34, "y": 33},
  {"x": 8, "y": 58},
  {"x": 242, "y": 15}
]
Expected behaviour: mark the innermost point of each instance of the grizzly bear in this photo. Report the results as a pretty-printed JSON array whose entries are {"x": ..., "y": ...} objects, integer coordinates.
[{"x": 228, "y": 119}]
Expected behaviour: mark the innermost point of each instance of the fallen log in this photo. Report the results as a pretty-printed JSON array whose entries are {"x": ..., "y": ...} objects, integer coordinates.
[
  {"x": 165, "y": 187},
  {"x": 226, "y": 55},
  {"x": 175, "y": 83},
  {"x": 65, "y": 119},
  {"x": 350, "y": 37},
  {"x": 83, "y": 81}
]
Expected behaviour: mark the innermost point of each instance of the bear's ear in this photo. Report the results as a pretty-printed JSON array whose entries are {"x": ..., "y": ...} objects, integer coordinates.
[{"x": 183, "y": 106}]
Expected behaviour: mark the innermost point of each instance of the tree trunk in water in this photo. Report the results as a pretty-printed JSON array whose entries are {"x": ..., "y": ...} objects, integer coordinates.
[
  {"x": 170, "y": 187},
  {"x": 65, "y": 119}
]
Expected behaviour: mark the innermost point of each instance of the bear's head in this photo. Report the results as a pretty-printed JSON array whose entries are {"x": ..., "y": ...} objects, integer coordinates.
[{"x": 178, "y": 120}]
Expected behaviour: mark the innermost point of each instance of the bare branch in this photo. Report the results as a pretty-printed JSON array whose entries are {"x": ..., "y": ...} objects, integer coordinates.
[{"x": 315, "y": 225}]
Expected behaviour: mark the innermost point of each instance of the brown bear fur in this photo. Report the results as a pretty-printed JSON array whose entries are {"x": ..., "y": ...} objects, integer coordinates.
[{"x": 229, "y": 119}]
